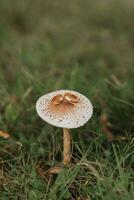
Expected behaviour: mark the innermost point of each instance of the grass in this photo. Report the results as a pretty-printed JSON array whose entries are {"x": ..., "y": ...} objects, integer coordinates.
[{"x": 80, "y": 45}]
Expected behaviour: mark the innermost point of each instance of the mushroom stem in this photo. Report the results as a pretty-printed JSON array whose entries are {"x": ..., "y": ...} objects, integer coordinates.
[{"x": 67, "y": 152}]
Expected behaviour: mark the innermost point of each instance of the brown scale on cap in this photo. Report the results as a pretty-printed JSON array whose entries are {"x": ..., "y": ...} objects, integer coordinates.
[{"x": 63, "y": 103}]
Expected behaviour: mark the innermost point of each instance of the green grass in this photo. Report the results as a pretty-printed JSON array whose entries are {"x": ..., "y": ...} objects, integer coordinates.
[{"x": 81, "y": 45}]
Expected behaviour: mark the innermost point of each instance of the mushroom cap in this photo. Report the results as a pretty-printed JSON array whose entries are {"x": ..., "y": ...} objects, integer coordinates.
[{"x": 65, "y": 113}]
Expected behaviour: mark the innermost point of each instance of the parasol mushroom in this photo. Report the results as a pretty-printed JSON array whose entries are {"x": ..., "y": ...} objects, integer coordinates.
[{"x": 66, "y": 109}]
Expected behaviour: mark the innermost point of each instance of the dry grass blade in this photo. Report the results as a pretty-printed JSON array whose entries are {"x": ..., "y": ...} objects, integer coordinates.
[
  {"x": 115, "y": 80},
  {"x": 92, "y": 169},
  {"x": 42, "y": 173},
  {"x": 55, "y": 170}
]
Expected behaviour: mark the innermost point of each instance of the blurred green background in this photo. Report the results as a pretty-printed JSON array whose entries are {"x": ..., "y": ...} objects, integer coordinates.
[{"x": 87, "y": 46}]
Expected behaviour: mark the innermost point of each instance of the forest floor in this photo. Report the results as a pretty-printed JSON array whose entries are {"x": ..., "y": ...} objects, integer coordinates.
[{"x": 87, "y": 46}]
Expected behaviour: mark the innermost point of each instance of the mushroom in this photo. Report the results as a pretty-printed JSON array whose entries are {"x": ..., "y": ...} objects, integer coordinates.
[{"x": 66, "y": 109}]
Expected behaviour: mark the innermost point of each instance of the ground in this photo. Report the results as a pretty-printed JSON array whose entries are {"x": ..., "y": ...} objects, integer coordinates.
[{"x": 87, "y": 46}]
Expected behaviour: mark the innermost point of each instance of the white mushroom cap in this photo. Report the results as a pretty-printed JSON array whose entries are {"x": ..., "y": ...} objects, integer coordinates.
[{"x": 64, "y": 108}]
